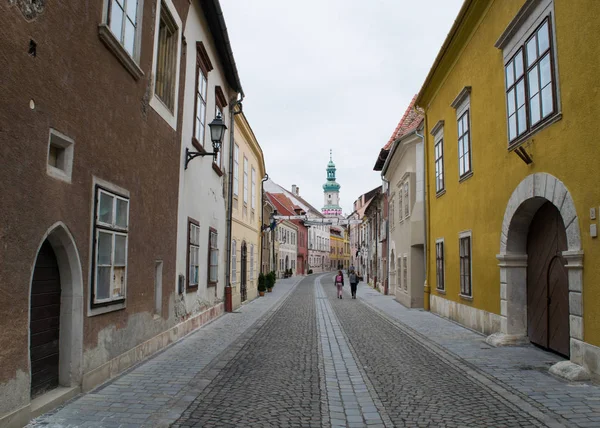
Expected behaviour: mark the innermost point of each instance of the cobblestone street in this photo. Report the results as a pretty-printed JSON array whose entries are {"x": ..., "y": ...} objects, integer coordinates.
[{"x": 300, "y": 357}]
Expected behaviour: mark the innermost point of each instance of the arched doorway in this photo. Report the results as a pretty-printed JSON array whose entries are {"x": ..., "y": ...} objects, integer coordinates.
[
  {"x": 244, "y": 273},
  {"x": 44, "y": 322},
  {"x": 540, "y": 257},
  {"x": 287, "y": 262},
  {"x": 547, "y": 281},
  {"x": 56, "y": 313}
]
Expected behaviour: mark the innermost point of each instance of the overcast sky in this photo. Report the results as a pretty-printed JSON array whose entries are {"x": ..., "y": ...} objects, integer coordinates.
[{"x": 339, "y": 74}]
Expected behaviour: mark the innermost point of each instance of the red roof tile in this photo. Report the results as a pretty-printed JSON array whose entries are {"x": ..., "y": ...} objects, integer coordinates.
[{"x": 409, "y": 122}]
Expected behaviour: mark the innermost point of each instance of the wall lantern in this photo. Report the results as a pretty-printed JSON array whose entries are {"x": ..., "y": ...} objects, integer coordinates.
[{"x": 217, "y": 131}]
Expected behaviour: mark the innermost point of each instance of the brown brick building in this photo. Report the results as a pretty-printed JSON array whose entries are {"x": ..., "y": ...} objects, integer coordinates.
[{"x": 90, "y": 134}]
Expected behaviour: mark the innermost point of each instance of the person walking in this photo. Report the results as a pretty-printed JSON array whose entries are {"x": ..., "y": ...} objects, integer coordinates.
[
  {"x": 353, "y": 278},
  {"x": 339, "y": 283}
]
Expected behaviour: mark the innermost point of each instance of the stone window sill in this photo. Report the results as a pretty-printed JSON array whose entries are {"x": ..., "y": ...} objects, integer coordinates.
[
  {"x": 465, "y": 177},
  {"x": 440, "y": 193},
  {"x": 439, "y": 291},
  {"x": 99, "y": 310},
  {"x": 217, "y": 169},
  {"x": 465, "y": 297},
  {"x": 119, "y": 51}
]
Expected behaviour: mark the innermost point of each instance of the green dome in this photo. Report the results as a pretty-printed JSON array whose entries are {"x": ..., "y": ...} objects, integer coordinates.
[
  {"x": 330, "y": 164},
  {"x": 331, "y": 186}
]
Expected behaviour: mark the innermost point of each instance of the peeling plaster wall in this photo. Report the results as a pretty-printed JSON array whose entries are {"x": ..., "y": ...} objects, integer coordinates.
[{"x": 14, "y": 393}]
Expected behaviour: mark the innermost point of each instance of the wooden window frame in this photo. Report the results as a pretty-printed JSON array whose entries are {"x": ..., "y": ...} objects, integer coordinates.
[
  {"x": 530, "y": 128},
  {"x": 203, "y": 67},
  {"x": 245, "y": 185},
  {"x": 125, "y": 17},
  {"x": 188, "y": 286},
  {"x": 169, "y": 77},
  {"x": 211, "y": 232},
  {"x": 466, "y": 265},
  {"x": 440, "y": 185},
  {"x": 253, "y": 188},
  {"x": 440, "y": 266},
  {"x": 466, "y": 134},
  {"x": 236, "y": 170},
  {"x": 113, "y": 229}
]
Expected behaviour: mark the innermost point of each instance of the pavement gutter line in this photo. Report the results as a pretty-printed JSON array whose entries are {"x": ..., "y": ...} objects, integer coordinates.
[
  {"x": 327, "y": 319},
  {"x": 503, "y": 392}
]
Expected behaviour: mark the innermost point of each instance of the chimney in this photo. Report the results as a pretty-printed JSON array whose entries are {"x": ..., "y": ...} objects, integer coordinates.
[
  {"x": 294, "y": 189},
  {"x": 297, "y": 191}
]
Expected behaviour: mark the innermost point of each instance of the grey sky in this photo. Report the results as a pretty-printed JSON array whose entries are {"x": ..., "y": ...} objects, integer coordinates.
[{"x": 339, "y": 74}]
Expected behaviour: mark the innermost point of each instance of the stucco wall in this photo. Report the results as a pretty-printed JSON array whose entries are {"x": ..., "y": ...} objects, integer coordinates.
[{"x": 565, "y": 149}]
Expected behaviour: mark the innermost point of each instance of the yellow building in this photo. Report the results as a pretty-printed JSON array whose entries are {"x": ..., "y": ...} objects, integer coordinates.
[
  {"x": 248, "y": 171},
  {"x": 340, "y": 248},
  {"x": 510, "y": 147}
]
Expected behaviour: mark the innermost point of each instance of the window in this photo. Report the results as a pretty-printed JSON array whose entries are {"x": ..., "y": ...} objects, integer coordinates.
[
  {"x": 111, "y": 229},
  {"x": 530, "y": 70},
  {"x": 405, "y": 272},
  {"x": 236, "y": 169},
  {"x": 122, "y": 20},
  {"x": 438, "y": 134},
  {"x": 245, "y": 180},
  {"x": 193, "y": 256},
  {"x": 465, "y": 265},
  {"x": 401, "y": 204},
  {"x": 233, "y": 261},
  {"x": 60, "y": 156},
  {"x": 253, "y": 204},
  {"x": 252, "y": 262},
  {"x": 439, "y": 264},
  {"x": 200, "y": 108},
  {"x": 213, "y": 257},
  {"x": 464, "y": 145},
  {"x": 166, "y": 59},
  {"x": 406, "y": 200}
]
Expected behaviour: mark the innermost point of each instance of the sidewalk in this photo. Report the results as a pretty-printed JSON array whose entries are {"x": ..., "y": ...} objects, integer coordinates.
[
  {"x": 157, "y": 391},
  {"x": 523, "y": 369}
]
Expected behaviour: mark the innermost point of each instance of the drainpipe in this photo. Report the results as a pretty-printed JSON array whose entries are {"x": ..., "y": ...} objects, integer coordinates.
[
  {"x": 262, "y": 216},
  {"x": 233, "y": 104},
  {"x": 426, "y": 288},
  {"x": 386, "y": 286}
]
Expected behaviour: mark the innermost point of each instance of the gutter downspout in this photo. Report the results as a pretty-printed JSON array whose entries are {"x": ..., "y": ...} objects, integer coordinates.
[
  {"x": 386, "y": 285},
  {"x": 426, "y": 288},
  {"x": 262, "y": 216},
  {"x": 229, "y": 214}
]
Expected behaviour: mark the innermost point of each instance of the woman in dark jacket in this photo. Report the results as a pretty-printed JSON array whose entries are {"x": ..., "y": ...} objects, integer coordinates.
[{"x": 353, "y": 278}]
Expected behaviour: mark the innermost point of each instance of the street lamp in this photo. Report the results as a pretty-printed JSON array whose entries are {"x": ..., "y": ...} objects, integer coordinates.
[{"x": 217, "y": 131}]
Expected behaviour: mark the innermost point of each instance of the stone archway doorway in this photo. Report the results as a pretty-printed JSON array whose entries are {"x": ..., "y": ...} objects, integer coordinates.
[
  {"x": 538, "y": 201},
  {"x": 547, "y": 281},
  {"x": 56, "y": 313}
]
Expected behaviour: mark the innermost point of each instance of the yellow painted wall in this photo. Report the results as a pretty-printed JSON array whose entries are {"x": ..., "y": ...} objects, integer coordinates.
[{"x": 568, "y": 149}]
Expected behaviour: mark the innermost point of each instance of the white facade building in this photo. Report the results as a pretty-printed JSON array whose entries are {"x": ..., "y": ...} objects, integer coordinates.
[{"x": 211, "y": 88}]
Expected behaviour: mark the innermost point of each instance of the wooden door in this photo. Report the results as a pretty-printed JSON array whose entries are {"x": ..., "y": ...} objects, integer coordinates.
[
  {"x": 44, "y": 322},
  {"x": 244, "y": 273},
  {"x": 547, "y": 281}
]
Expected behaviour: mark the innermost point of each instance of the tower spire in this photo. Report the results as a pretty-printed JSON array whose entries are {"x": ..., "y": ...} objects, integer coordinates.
[{"x": 330, "y": 155}]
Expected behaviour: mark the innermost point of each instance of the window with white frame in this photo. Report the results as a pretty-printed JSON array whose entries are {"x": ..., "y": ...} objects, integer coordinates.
[
  {"x": 236, "y": 169},
  {"x": 245, "y": 180},
  {"x": 200, "y": 110},
  {"x": 251, "y": 262},
  {"x": 532, "y": 96},
  {"x": 166, "y": 62},
  {"x": 193, "y": 256},
  {"x": 213, "y": 257},
  {"x": 234, "y": 261},
  {"x": 465, "y": 244},
  {"x": 406, "y": 199},
  {"x": 253, "y": 193},
  {"x": 400, "y": 202},
  {"x": 122, "y": 17},
  {"x": 438, "y": 151},
  {"x": 462, "y": 105},
  {"x": 439, "y": 264},
  {"x": 111, "y": 228},
  {"x": 405, "y": 272}
]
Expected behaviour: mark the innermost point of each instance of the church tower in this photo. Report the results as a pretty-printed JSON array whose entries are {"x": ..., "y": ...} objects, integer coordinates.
[{"x": 331, "y": 190}]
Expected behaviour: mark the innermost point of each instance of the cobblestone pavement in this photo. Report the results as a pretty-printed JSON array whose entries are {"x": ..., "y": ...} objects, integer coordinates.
[
  {"x": 274, "y": 380},
  {"x": 156, "y": 392},
  {"x": 300, "y": 357},
  {"x": 522, "y": 370}
]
